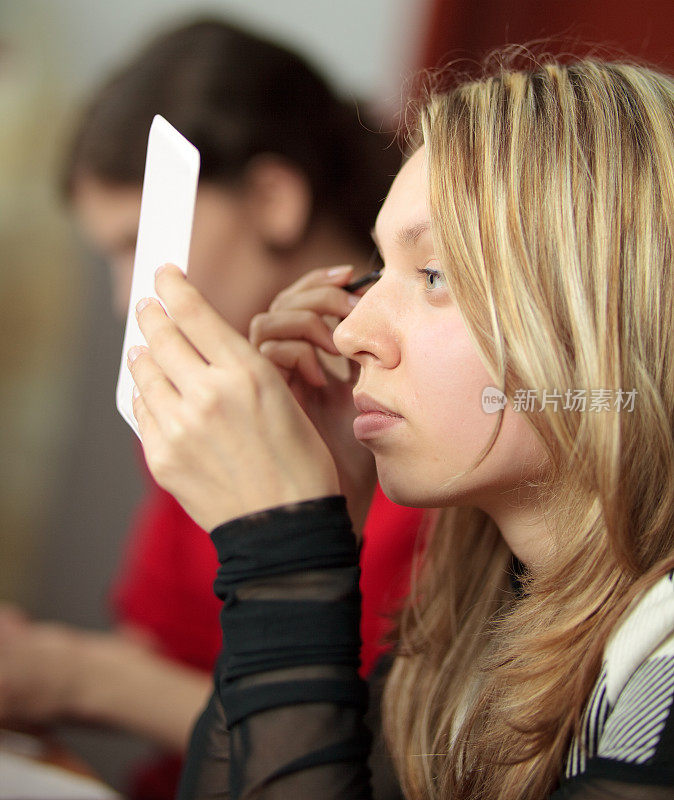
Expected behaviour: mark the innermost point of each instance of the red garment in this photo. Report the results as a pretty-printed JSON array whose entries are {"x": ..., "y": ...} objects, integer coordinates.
[
  {"x": 389, "y": 536},
  {"x": 165, "y": 583}
]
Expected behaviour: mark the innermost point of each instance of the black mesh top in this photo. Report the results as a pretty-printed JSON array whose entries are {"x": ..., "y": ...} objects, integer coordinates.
[{"x": 288, "y": 717}]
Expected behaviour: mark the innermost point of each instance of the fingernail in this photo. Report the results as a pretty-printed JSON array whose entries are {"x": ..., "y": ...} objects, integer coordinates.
[
  {"x": 335, "y": 271},
  {"x": 353, "y": 299},
  {"x": 134, "y": 352},
  {"x": 140, "y": 305}
]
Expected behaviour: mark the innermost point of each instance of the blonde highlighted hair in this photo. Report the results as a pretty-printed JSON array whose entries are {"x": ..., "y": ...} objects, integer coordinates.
[{"x": 552, "y": 204}]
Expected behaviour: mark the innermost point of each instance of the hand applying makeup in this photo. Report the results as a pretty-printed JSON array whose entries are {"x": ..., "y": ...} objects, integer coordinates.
[
  {"x": 295, "y": 334},
  {"x": 221, "y": 430}
]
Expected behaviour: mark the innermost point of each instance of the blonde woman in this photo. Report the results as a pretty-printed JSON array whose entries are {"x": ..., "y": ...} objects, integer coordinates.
[{"x": 527, "y": 245}]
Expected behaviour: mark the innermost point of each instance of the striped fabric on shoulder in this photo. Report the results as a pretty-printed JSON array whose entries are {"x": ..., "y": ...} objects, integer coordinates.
[
  {"x": 594, "y": 720},
  {"x": 631, "y": 702},
  {"x": 633, "y": 729}
]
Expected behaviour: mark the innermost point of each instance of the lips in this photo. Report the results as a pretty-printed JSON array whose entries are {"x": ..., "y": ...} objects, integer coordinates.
[
  {"x": 375, "y": 419},
  {"x": 366, "y": 404}
]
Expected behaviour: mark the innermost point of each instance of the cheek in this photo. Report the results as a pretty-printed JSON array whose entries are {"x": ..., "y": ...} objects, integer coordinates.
[
  {"x": 449, "y": 377},
  {"x": 518, "y": 453},
  {"x": 452, "y": 429},
  {"x": 121, "y": 273},
  {"x": 213, "y": 251},
  {"x": 441, "y": 389},
  {"x": 230, "y": 271},
  {"x": 447, "y": 428}
]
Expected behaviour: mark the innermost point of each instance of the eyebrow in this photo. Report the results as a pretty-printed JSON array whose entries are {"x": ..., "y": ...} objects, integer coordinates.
[{"x": 405, "y": 237}]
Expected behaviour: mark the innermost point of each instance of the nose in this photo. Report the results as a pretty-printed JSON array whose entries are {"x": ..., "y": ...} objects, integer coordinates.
[
  {"x": 369, "y": 334},
  {"x": 121, "y": 273}
]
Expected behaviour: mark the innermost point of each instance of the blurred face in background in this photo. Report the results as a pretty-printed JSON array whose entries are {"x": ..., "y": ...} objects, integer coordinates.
[{"x": 230, "y": 261}]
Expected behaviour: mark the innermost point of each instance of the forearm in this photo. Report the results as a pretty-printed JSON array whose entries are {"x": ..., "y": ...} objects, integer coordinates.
[
  {"x": 127, "y": 687},
  {"x": 288, "y": 696}
]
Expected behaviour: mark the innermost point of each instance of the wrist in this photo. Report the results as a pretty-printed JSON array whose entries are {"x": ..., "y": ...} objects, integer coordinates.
[
  {"x": 124, "y": 685},
  {"x": 98, "y": 669},
  {"x": 289, "y": 538},
  {"x": 82, "y": 677}
]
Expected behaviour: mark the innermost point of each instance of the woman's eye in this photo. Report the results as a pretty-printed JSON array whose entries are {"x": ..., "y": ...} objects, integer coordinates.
[{"x": 434, "y": 278}]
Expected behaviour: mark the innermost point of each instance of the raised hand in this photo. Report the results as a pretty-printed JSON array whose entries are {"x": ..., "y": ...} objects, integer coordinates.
[
  {"x": 296, "y": 335},
  {"x": 220, "y": 429}
]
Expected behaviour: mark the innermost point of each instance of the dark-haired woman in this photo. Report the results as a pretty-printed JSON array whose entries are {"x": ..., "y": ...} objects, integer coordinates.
[{"x": 290, "y": 180}]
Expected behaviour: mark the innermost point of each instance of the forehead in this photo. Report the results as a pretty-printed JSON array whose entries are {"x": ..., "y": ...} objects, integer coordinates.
[{"x": 407, "y": 200}]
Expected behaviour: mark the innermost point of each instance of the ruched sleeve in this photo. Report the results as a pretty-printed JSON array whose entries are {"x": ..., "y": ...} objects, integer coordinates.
[{"x": 287, "y": 715}]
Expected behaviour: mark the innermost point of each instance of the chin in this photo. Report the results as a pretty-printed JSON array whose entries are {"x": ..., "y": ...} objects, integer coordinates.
[
  {"x": 406, "y": 488},
  {"x": 399, "y": 489}
]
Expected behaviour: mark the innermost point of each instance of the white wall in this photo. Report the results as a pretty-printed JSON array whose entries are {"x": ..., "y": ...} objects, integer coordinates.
[{"x": 362, "y": 44}]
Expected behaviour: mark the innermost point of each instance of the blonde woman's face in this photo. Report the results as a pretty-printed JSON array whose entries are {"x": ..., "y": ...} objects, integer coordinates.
[{"x": 418, "y": 362}]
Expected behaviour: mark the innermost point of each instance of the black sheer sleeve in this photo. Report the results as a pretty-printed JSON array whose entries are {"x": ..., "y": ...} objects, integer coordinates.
[{"x": 286, "y": 719}]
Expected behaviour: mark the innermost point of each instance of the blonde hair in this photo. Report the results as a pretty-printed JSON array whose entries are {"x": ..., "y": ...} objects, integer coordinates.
[{"x": 552, "y": 204}]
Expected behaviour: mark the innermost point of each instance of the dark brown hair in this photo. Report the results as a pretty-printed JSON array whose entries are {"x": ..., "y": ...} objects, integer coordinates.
[{"x": 236, "y": 95}]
